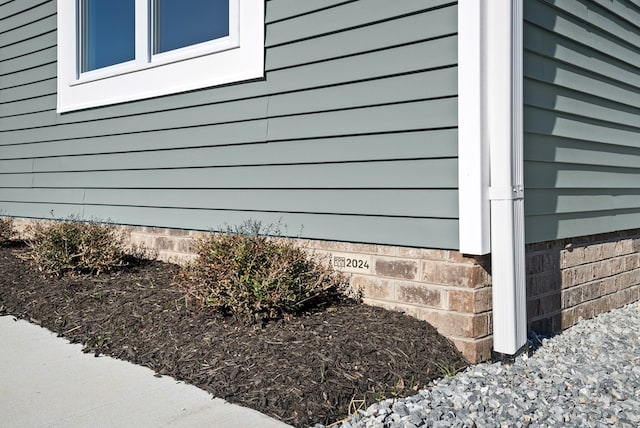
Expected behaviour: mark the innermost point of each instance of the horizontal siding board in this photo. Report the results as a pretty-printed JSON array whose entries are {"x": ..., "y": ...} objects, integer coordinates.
[
  {"x": 397, "y": 32},
  {"x": 418, "y": 232},
  {"x": 385, "y": 118},
  {"x": 9, "y": 180},
  {"x": 410, "y": 203},
  {"x": 28, "y": 91},
  {"x": 567, "y": 150},
  {"x": 545, "y": 96},
  {"x": 538, "y": 68},
  {"x": 443, "y": 82},
  {"x": 28, "y": 15},
  {"x": 549, "y": 227},
  {"x": 242, "y": 110},
  {"x": 15, "y": 166},
  {"x": 579, "y": 55},
  {"x": 162, "y": 150},
  {"x": 563, "y": 201},
  {"x": 44, "y": 41},
  {"x": 397, "y": 117},
  {"x": 398, "y": 174},
  {"x": 9, "y": 10},
  {"x": 347, "y": 16},
  {"x": 26, "y": 106},
  {"x": 231, "y": 133},
  {"x": 628, "y": 10},
  {"x": 557, "y": 175},
  {"x": 585, "y": 34},
  {"x": 285, "y": 9},
  {"x": 406, "y": 145},
  {"x": 623, "y": 27},
  {"x": 285, "y": 57},
  {"x": 538, "y": 121},
  {"x": 28, "y": 31},
  {"x": 28, "y": 61},
  {"x": 36, "y": 74}
]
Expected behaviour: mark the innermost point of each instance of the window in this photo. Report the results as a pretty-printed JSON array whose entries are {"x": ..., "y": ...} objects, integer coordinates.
[{"x": 113, "y": 51}]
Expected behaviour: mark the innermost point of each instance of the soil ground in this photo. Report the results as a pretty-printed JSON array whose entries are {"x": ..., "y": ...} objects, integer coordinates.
[{"x": 316, "y": 367}]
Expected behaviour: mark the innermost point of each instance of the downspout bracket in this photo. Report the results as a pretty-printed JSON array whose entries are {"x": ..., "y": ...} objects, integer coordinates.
[{"x": 506, "y": 193}]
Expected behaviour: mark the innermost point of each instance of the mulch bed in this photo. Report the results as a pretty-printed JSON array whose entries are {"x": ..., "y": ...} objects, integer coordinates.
[{"x": 317, "y": 367}]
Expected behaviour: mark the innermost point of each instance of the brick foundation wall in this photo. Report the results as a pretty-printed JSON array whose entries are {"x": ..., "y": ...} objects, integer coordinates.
[
  {"x": 566, "y": 280},
  {"x": 580, "y": 278}
]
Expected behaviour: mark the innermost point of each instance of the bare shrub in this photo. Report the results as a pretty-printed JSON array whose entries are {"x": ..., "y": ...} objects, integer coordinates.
[
  {"x": 7, "y": 230},
  {"x": 72, "y": 245},
  {"x": 246, "y": 272}
]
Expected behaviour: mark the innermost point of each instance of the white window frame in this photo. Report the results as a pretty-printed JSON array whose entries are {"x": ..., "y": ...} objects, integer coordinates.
[{"x": 237, "y": 57}]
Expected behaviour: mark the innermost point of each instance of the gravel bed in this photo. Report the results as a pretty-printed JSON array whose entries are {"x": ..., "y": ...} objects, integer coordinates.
[{"x": 588, "y": 376}]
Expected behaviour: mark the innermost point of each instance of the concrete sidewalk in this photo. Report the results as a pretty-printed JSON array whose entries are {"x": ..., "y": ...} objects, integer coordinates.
[{"x": 47, "y": 382}]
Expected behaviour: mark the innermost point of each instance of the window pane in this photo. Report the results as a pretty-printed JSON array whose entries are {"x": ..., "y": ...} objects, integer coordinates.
[
  {"x": 181, "y": 23},
  {"x": 108, "y": 33}
]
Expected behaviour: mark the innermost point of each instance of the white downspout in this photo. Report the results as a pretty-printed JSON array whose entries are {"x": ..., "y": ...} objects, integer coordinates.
[{"x": 504, "y": 104}]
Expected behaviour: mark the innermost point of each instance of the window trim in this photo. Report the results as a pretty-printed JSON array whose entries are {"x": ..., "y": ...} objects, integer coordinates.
[{"x": 238, "y": 57}]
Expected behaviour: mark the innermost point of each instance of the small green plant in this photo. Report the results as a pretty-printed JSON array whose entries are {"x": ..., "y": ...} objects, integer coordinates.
[
  {"x": 72, "y": 245},
  {"x": 7, "y": 230},
  {"x": 247, "y": 272},
  {"x": 448, "y": 370}
]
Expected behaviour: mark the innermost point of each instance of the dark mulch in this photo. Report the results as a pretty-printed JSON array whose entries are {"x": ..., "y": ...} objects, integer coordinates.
[{"x": 308, "y": 369}]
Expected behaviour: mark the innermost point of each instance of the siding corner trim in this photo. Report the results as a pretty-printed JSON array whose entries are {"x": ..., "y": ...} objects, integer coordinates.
[{"x": 473, "y": 151}]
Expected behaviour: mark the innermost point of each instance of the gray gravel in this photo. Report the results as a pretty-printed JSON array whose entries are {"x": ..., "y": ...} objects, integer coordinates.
[{"x": 588, "y": 376}]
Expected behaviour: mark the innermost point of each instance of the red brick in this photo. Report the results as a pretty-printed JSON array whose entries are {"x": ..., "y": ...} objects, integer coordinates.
[
  {"x": 550, "y": 304},
  {"x": 470, "y": 301},
  {"x": 156, "y": 231},
  {"x": 418, "y": 294},
  {"x": 375, "y": 288},
  {"x": 592, "y": 253},
  {"x": 608, "y": 249},
  {"x": 568, "y": 318},
  {"x": 631, "y": 262},
  {"x": 571, "y": 297},
  {"x": 602, "y": 269},
  {"x": 568, "y": 277},
  {"x": 543, "y": 284},
  {"x": 186, "y": 246},
  {"x": 600, "y": 306},
  {"x": 609, "y": 285},
  {"x": 624, "y": 247},
  {"x": 533, "y": 308},
  {"x": 397, "y": 268},
  {"x": 590, "y": 290},
  {"x": 178, "y": 232},
  {"x": 572, "y": 256},
  {"x": 460, "y": 275},
  {"x": 582, "y": 274},
  {"x": 584, "y": 311},
  {"x": 423, "y": 253},
  {"x": 627, "y": 279},
  {"x": 474, "y": 350},
  {"x": 456, "y": 324},
  {"x": 164, "y": 244}
]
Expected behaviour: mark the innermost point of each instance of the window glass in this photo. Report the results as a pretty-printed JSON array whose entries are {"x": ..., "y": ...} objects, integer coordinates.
[
  {"x": 108, "y": 33},
  {"x": 181, "y": 23}
]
